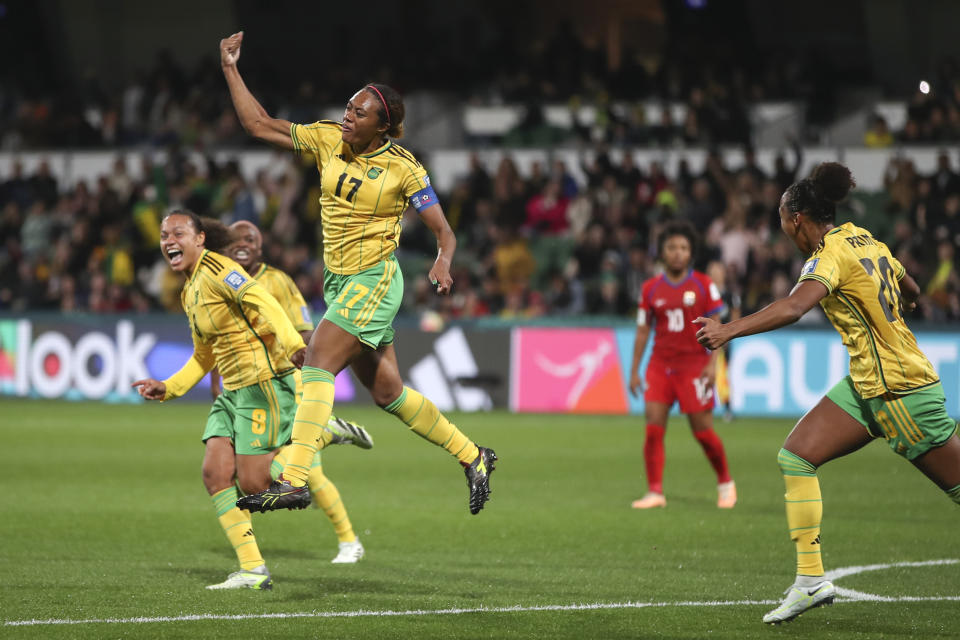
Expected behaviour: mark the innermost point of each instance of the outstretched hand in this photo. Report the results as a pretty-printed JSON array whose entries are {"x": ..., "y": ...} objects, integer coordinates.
[
  {"x": 230, "y": 49},
  {"x": 150, "y": 389},
  {"x": 711, "y": 334}
]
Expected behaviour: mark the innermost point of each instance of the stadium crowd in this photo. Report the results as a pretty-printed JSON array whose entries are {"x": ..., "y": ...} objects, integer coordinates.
[
  {"x": 532, "y": 244},
  {"x": 539, "y": 244},
  {"x": 170, "y": 104}
]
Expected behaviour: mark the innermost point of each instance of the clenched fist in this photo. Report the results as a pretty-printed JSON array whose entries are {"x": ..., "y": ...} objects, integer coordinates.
[{"x": 230, "y": 50}]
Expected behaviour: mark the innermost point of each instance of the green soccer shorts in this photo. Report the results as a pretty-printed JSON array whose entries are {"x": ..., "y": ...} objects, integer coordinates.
[
  {"x": 912, "y": 423},
  {"x": 364, "y": 304},
  {"x": 258, "y": 419}
]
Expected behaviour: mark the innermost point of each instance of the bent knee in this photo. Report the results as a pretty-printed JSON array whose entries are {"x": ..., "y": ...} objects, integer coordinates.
[
  {"x": 215, "y": 480},
  {"x": 253, "y": 485},
  {"x": 793, "y": 465},
  {"x": 385, "y": 397}
]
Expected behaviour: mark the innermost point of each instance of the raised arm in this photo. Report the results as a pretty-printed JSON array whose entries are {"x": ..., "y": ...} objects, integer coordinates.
[{"x": 253, "y": 117}]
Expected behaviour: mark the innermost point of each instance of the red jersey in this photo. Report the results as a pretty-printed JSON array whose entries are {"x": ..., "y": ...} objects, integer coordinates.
[{"x": 672, "y": 308}]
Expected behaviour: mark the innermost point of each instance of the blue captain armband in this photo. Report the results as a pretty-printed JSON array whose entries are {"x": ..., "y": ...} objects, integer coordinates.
[{"x": 424, "y": 198}]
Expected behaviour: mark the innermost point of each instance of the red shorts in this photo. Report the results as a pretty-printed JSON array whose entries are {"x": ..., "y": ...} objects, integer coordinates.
[{"x": 667, "y": 384}]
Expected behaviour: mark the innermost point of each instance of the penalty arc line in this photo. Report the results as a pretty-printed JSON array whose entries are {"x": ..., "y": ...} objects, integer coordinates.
[{"x": 851, "y": 596}]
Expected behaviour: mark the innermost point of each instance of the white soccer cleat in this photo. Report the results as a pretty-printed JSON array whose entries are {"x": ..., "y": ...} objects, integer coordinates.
[
  {"x": 350, "y": 553},
  {"x": 258, "y": 579},
  {"x": 346, "y": 432},
  {"x": 726, "y": 495},
  {"x": 650, "y": 501},
  {"x": 800, "y": 599}
]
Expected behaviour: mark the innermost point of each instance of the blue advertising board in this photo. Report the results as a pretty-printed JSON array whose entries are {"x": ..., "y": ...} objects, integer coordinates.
[{"x": 784, "y": 373}]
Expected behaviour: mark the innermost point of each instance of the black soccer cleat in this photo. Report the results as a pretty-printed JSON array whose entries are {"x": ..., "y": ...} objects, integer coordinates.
[
  {"x": 478, "y": 478},
  {"x": 280, "y": 495}
]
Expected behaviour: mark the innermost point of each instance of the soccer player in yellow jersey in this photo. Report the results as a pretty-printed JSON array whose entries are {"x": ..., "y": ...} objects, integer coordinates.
[
  {"x": 367, "y": 182},
  {"x": 892, "y": 391},
  {"x": 246, "y": 248},
  {"x": 239, "y": 327}
]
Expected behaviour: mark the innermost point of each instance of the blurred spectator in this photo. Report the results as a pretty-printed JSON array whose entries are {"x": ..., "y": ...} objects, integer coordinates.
[
  {"x": 878, "y": 135},
  {"x": 750, "y": 166},
  {"x": 531, "y": 243},
  {"x": 943, "y": 290},
  {"x": 901, "y": 182},
  {"x": 547, "y": 211},
  {"x": 944, "y": 180},
  {"x": 783, "y": 174},
  {"x": 513, "y": 261},
  {"x": 36, "y": 232}
]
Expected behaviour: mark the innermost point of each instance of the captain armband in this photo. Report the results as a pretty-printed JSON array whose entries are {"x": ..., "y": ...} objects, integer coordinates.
[{"x": 424, "y": 198}]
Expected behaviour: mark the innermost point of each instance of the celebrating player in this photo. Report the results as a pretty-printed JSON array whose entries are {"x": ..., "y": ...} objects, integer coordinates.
[
  {"x": 239, "y": 327},
  {"x": 367, "y": 182},
  {"x": 246, "y": 248},
  {"x": 679, "y": 368},
  {"x": 892, "y": 391}
]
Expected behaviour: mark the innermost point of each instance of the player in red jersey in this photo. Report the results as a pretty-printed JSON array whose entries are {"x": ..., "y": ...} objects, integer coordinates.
[{"x": 680, "y": 369}]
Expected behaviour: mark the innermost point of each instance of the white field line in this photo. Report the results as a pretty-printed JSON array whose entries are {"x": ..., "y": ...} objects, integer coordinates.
[
  {"x": 847, "y": 595},
  {"x": 835, "y": 574},
  {"x": 362, "y": 613}
]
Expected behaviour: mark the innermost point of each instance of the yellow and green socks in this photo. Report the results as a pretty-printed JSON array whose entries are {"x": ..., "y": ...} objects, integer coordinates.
[
  {"x": 236, "y": 524},
  {"x": 309, "y": 432},
  {"x": 327, "y": 497},
  {"x": 424, "y": 419},
  {"x": 804, "y": 511}
]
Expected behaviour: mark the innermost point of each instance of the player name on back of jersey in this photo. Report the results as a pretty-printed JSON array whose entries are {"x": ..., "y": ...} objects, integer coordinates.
[{"x": 861, "y": 241}]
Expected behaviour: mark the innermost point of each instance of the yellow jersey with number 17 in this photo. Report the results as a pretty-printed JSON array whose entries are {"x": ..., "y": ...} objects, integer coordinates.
[
  {"x": 362, "y": 197},
  {"x": 864, "y": 305}
]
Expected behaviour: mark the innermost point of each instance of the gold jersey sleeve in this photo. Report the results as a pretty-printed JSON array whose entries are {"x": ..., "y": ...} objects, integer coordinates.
[
  {"x": 321, "y": 139},
  {"x": 362, "y": 197},
  {"x": 199, "y": 364},
  {"x": 282, "y": 287},
  {"x": 233, "y": 317},
  {"x": 864, "y": 305}
]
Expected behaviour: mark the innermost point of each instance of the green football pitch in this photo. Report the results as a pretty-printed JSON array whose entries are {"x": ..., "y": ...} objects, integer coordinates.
[{"x": 107, "y": 532}]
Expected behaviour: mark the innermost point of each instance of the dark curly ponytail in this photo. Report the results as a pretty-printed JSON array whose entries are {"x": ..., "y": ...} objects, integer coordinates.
[
  {"x": 217, "y": 235},
  {"x": 818, "y": 195}
]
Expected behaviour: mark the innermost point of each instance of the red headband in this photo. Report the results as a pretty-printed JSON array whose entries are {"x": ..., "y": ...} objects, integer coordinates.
[{"x": 370, "y": 86}]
